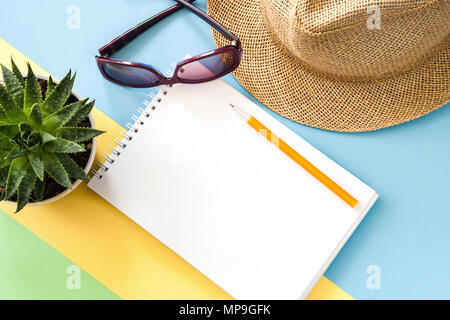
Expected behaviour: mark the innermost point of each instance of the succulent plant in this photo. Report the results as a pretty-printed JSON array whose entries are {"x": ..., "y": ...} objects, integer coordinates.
[{"x": 38, "y": 133}]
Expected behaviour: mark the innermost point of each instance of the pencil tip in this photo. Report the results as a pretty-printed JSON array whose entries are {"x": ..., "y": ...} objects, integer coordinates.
[{"x": 232, "y": 105}]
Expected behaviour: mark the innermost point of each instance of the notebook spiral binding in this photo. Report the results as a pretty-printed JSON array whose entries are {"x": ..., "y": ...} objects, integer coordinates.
[{"x": 156, "y": 97}]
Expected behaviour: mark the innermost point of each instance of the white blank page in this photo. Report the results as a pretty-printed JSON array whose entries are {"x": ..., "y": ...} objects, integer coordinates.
[{"x": 215, "y": 191}]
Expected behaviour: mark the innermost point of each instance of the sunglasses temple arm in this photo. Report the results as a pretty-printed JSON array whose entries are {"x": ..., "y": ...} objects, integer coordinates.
[
  {"x": 122, "y": 40},
  {"x": 210, "y": 20}
]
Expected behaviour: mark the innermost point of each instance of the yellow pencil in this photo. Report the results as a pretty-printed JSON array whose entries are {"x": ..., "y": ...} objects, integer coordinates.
[{"x": 294, "y": 155}]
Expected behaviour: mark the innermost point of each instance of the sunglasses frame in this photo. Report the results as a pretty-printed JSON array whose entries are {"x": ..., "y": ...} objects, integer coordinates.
[{"x": 121, "y": 41}]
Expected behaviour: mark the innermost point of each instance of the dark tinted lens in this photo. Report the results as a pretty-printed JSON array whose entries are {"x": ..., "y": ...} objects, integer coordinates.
[
  {"x": 207, "y": 68},
  {"x": 130, "y": 75}
]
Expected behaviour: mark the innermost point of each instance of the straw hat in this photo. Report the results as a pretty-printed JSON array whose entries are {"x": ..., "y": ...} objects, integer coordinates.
[{"x": 342, "y": 65}]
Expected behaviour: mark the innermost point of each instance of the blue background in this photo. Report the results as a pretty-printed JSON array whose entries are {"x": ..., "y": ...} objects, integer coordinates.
[{"x": 406, "y": 234}]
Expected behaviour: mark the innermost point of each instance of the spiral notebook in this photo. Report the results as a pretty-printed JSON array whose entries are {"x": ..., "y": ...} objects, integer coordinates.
[{"x": 215, "y": 191}]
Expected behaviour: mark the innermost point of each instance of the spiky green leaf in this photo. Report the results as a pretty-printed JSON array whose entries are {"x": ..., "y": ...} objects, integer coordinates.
[
  {"x": 5, "y": 143},
  {"x": 13, "y": 113},
  {"x": 3, "y": 117},
  {"x": 82, "y": 114},
  {"x": 4, "y": 162},
  {"x": 33, "y": 92},
  {"x": 14, "y": 86},
  {"x": 60, "y": 145},
  {"x": 50, "y": 86},
  {"x": 77, "y": 134},
  {"x": 16, "y": 152},
  {"x": 17, "y": 171},
  {"x": 33, "y": 143},
  {"x": 35, "y": 159},
  {"x": 25, "y": 126},
  {"x": 3, "y": 176},
  {"x": 17, "y": 72},
  {"x": 71, "y": 167},
  {"x": 59, "y": 118},
  {"x": 39, "y": 188},
  {"x": 9, "y": 130},
  {"x": 36, "y": 115},
  {"x": 55, "y": 169},
  {"x": 46, "y": 137},
  {"x": 25, "y": 188},
  {"x": 56, "y": 99}
]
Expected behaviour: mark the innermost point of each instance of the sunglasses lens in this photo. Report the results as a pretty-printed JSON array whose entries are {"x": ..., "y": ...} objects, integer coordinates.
[
  {"x": 129, "y": 75},
  {"x": 207, "y": 68}
]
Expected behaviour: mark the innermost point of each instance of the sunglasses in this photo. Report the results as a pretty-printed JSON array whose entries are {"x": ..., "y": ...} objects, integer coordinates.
[{"x": 201, "y": 68}]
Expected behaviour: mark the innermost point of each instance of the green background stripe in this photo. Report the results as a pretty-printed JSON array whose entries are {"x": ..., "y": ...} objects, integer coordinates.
[{"x": 32, "y": 269}]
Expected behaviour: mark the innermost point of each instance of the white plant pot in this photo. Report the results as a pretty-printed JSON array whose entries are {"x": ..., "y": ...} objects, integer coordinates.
[{"x": 86, "y": 169}]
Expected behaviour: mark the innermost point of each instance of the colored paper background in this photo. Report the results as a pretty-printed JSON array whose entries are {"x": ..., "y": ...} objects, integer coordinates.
[
  {"x": 97, "y": 237},
  {"x": 405, "y": 235},
  {"x": 31, "y": 269}
]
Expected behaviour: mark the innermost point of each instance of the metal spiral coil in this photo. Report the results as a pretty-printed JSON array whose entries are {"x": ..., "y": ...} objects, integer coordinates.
[
  {"x": 101, "y": 166},
  {"x": 96, "y": 174},
  {"x": 133, "y": 129}
]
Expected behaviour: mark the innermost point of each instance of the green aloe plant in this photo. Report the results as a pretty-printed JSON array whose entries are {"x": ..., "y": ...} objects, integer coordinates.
[{"x": 38, "y": 132}]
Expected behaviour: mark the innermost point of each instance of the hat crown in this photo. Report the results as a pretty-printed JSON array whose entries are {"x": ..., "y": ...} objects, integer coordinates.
[{"x": 359, "y": 39}]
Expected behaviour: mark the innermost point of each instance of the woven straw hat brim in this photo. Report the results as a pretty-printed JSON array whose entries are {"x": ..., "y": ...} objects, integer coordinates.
[{"x": 280, "y": 81}]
